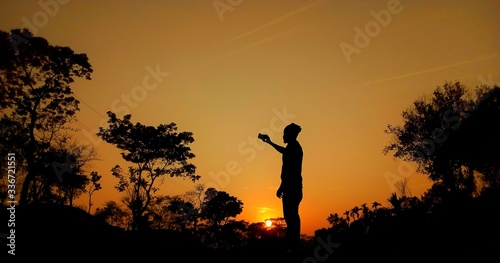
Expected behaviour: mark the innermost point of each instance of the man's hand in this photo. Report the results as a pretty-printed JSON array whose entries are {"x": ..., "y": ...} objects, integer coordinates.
[
  {"x": 264, "y": 137},
  {"x": 279, "y": 193}
]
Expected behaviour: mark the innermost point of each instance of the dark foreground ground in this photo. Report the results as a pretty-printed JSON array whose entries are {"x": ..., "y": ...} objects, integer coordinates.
[{"x": 65, "y": 234}]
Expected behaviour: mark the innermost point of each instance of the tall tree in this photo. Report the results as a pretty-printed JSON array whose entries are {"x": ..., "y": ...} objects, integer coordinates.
[
  {"x": 70, "y": 170},
  {"x": 451, "y": 136},
  {"x": 195, "y": 197},
  {"x": 219, "y": 210},
  {"x": 35, "y": 79},
  {"x": 94, "y": 186},
  {"x": 477, "y": 141},
  {"x": 154, "y": 152}
]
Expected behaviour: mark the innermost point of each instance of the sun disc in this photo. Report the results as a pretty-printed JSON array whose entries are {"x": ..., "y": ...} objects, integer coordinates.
[{"x": 269, "y": 223}]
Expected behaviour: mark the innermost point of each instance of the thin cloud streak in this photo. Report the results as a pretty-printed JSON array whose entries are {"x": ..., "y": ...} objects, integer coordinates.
[
  {"x": 279, "y": 19},
  {"x": 431, "y": 70},
  {"x": 264, "y": 209},
  {"x": 494, "y": 55},
  {"x": 262, "y": 41}
]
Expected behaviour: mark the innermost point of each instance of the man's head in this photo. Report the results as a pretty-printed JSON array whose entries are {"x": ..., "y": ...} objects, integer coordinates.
[{"x": 291, "y": 132}]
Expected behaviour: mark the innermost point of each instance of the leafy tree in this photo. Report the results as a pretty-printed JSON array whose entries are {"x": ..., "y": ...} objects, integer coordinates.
[
  {"x": 61, "y": 177},
  {"x": 218, "y": 211},
  {"x": 154, "y": 152},
  {"x": 113, "y": 214},
  {"x": 183, "y": 213},
  {"x": 219, "y": 207},
  {"x": 70, "y": 171},
  {"x": 158, "y": 214},
  {"x": 195, "y": 197},
  {"x": 477, "y": 141},
  {"x": 172, "y": 213},
  {"x": 231, "y": 235},
  {"x": 37, "y": 100},
  {"x": 451, "y": 136}
]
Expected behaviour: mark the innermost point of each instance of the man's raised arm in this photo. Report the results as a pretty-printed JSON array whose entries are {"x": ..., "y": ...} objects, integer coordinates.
[{"x": 265, "y": 138}]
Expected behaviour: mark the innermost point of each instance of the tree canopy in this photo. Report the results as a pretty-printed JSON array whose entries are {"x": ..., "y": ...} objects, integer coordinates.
[
  {"x": 37, "y": 101},
  {"x": 154, "y": 153},
  {"x": 453, "y": 137}
]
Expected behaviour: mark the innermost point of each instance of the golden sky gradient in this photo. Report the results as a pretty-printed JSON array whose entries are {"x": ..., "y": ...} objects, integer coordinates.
[{"x": 229, "y": 69}]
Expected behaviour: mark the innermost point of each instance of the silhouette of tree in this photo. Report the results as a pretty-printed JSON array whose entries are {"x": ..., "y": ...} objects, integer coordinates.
[
  {"x": 219, "y": 210},
  {"x": 35, "y": 79},
  {"x": 72, "y": 186},
  {"x": 278, "y": 227},
  {"x": 195, "y": 197},
  {"x": 158, "y": 212},
  {"x": 257, "y": 230},
  {"x": 476, "y": 142},
  {"x": 61, "y": 177},
  {"x": 183, "y": 213},
  {"x": 396, "y": 203},
  {"x": 70, "y": 170},
  {"x": 437, "y": 131},
  {"x": 174, "y": 213},
  {"x": 94, "y": 186},
  {"x": 114, "y": 215},
  {"x": 375, "y": 205},
  {"x": 219, "y": 207},
  {"x": 452, "y": 137},
  {"x": 367, "y": 214},
  {"x": 355, "y": 212},
  {"x": 231, "y": 235},
  {"x": 154, "y": 153},
  {"x": 9, "y": 140},
  {"x": 364, "y": 209},
  {"x": 348, "y": 216},
  {"x": 334, "y": 219}
]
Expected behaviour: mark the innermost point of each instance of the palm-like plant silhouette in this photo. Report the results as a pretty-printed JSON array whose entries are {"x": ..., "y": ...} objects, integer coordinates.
[
  {"x": 347, "y": 216},
  {"x": 334, "y": 219},
  {"x": 396, "y": 203},
  {"x": 355, "y": 212},
  {"x": 375, "y": 205}
]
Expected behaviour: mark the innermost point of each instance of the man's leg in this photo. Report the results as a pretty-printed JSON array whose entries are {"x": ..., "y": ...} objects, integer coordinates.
[{"x": 292, "y": 219}]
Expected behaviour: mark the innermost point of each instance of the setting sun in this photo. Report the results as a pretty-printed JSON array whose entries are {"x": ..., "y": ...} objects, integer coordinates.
[{"x": 269, "y": 223}]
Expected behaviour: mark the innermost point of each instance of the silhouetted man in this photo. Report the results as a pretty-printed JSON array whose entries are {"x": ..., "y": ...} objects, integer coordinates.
[{"x": 290, "y": 189}]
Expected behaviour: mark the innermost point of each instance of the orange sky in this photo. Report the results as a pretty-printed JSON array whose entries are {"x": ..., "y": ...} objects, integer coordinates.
[{"x": 227, "y": 70}]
